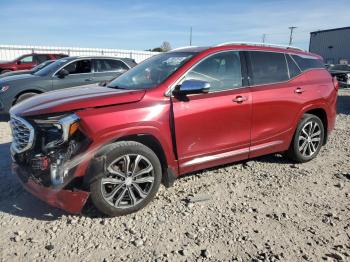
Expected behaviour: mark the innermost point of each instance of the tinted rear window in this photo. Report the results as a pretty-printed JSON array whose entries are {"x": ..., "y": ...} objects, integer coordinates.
[
  {"x": 268, "y": 67},
  {"x": 292, "y": 66},
  {"x": 308, "y": 62}
]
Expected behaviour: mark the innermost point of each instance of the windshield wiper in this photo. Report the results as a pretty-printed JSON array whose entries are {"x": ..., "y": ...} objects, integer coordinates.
[{"x": 116, "y": 87}]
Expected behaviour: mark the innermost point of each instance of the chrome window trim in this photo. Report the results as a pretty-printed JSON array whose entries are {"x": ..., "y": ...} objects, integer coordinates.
[
  {"x": 172, "y": 86},
  {"x": 76, "y": 60},
  {"x": 31, "y": 134}
]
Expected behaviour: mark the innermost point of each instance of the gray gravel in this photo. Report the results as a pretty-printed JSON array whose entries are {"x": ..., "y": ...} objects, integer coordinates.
[{"x": 266, "y": 209}]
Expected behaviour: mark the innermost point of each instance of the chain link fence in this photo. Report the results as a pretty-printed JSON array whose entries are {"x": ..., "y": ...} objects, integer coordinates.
[{"x": 10, "y": 52}]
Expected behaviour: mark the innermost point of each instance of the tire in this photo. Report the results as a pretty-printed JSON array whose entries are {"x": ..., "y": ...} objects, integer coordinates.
[
  {"x": 307, "y": 140},
  {"x": 24, "y": 96},
  {"x": 114, "y": 193},
  {"x": 5, "y": 71}
]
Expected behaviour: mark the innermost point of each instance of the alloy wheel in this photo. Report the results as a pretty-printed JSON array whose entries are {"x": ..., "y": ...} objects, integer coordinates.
[
  {"x": 128, "y": 182},
  {"x": 309, "y": 139}
]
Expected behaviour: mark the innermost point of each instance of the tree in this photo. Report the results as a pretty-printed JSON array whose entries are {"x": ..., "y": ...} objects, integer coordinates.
[{"x": 165, "y": 46}]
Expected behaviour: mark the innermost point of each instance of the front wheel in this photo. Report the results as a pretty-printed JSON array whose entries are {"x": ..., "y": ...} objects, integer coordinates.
[
  {"x": 131, "y": 180},
  {"x": 308, "y": 139}
]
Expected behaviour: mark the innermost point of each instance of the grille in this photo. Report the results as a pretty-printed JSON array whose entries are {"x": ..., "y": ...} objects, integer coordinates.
[{"x": 23, "y": 134}]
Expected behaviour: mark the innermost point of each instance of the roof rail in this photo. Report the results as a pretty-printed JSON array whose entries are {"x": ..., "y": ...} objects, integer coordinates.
[
  {"x": 261, "y": 44},
  {"x": 182, "y": 47}
]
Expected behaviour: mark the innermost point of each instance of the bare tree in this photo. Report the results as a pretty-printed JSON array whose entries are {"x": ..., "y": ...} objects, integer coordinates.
[{"x": 165, "y": 46}]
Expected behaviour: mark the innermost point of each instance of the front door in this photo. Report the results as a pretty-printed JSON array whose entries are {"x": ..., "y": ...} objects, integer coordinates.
[
  {"x": 80, "y": 73},
  {"x": 214, "y": 128}
]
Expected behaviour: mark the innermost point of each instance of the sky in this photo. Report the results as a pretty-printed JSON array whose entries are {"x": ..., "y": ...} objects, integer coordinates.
[{"x": 142, "y": 25}]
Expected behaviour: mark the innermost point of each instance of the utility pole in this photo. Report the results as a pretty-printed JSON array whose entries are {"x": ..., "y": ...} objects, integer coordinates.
[
  {"x": 263, "y": 38},
  {"x": 190, "y": 35},
  {"x": 291, "y": 28}
]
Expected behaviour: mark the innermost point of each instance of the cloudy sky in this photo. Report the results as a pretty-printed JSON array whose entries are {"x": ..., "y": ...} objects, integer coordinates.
[{"x": 145, "y": 24}]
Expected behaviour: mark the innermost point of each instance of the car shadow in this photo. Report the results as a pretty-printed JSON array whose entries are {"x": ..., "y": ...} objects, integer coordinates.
[
  {"x": 14, "y": 200},
  {"x": 343, "y": 104}
]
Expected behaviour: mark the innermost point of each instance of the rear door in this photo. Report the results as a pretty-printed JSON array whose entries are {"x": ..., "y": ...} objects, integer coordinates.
[
  {"x": 214, "y": 128},
  {"x": 275, "y": 80},
  {"x": 26, "y": 62},
  {"x": 80, "y": 73},
  {"x": 107, "y": 69}
]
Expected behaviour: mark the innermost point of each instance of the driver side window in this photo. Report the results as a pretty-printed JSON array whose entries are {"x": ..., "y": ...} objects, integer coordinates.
[
  {"x": 27, "y": 59},
  {"x": 222, "y": 71}
]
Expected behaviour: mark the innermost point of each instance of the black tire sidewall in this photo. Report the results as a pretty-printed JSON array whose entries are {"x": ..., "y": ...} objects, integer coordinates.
[
  {"x": 118, "y": 149},
  {"x": 296, "y": 153}
]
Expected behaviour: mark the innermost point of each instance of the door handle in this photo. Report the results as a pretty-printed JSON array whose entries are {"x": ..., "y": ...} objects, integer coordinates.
[
  {"x": 88, "y": 79},
  {"x": 299, "y": 90},
  {"x": 239, "y": 99}
]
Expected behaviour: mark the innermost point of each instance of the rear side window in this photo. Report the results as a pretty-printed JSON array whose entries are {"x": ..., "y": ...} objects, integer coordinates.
[
  {"x": 292, "y": 67},
  {"x": 222, "y": 71},
  {"x": 308, "y": 62},
  {"x": 42, "y": 58},
  {"x": 268, "y": 67},
  {"x": 105, "y": 65},
  {"x": 79, "y": 67}
]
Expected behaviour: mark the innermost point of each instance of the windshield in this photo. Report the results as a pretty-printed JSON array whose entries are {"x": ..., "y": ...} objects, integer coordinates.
[
  {"x": 51, "y": 68},
  {"x": 151, "y": 72},
  {"x": 42, "y": 65}
]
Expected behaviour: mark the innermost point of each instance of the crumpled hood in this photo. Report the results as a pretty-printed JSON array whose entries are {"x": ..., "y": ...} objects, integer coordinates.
[{"x": 70, "y": 99}]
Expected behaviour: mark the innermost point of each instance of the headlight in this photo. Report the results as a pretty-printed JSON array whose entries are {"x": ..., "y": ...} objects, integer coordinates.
[
  {"x": 70, "y": 125},
  {"x": 348, "y": 75},
  {"x": 4, "y": 88},
  {"x": 58, "y": 130}
]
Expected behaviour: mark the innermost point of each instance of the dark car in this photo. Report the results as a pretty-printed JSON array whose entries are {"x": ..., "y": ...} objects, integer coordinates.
[
  {"x": 63, "y": 73},
  {"x": 26, "y": 62},
  {"x": 175, "y": 113},
  {"x": 28, "y": 71},
  {"x": 342, "y": 73}
]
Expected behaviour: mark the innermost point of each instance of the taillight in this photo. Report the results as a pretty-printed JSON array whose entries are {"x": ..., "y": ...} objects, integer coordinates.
[{"x": 335, "y": 83}]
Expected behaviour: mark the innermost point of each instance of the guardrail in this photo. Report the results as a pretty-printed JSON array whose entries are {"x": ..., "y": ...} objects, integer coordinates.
[{"x": 10, "y": 52}]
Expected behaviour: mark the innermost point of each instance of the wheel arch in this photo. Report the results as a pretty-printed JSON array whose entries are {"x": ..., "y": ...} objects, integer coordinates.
[
  {"x": 322, "y": 114},
  {"x": 31, "y": 90},
  {"x": 97, "y": 163}
]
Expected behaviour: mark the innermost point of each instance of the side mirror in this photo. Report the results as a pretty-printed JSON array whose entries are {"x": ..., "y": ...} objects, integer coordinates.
[
  {"x": 19, "y": 62},
  {"x": 191, "y": 87},
  {"x": 62, "y": 73}
]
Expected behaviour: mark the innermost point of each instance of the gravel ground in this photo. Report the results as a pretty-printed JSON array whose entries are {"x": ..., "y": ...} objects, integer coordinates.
[{"x": 266, "y": 209}]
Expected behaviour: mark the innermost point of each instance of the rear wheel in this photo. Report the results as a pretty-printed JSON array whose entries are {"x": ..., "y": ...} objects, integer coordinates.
[
  {"x": 307, "y": 140},
  {"x": 24, "y": 96},
  {"x": 131, "y": 180}
]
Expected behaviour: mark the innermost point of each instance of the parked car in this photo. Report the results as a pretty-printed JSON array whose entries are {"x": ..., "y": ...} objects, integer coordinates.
[
  {"x": 342, "y": 72},
  {"x": 175, "y": 113},
  {"x": 26, "y": 62},
  {"x": 28, "y": 71},
  {"x": 63, "y": 73}
]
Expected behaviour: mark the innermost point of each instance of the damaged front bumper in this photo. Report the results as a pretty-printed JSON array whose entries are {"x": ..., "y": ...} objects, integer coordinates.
[{"x": 68, "y": 200}]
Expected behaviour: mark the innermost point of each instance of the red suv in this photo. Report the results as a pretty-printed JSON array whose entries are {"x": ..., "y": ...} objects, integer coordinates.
[
  {"x": 175, "y": 113},
  {"x": 29, "y": 61}
]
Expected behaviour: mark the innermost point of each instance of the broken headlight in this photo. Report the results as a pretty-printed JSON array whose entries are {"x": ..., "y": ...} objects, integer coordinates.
[{"x": 57, "y": 130}]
